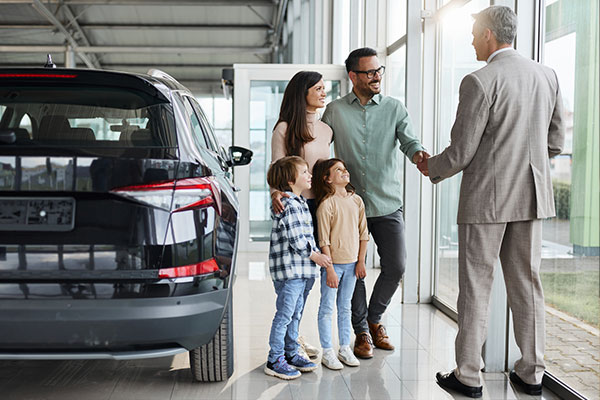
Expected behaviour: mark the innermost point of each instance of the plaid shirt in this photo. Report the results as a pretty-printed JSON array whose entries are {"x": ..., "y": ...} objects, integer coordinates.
[{"x": 292, "y": 241}]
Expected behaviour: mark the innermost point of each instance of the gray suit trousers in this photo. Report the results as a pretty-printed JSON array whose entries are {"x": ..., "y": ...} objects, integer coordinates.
[{"x": 519, "y": 246}]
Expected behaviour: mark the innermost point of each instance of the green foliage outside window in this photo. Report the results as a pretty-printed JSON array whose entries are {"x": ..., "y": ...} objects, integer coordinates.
[{"x": 562, "y": 199}]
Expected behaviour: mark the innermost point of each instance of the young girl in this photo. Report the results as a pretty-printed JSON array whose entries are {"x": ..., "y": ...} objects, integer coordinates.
[{"x": 343, "y": 236}]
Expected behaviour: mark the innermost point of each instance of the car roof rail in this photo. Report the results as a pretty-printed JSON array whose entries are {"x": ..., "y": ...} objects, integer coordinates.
[
  {"x": 157, "y": 73},
  {"x": 166, "y": 79}
]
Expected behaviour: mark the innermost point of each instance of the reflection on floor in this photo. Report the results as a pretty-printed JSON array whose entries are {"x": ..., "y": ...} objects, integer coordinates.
[{"x": 423, "y": 336}]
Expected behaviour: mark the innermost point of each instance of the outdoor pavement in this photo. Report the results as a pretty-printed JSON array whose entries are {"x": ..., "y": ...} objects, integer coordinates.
[{"x": 573, "y": 353}]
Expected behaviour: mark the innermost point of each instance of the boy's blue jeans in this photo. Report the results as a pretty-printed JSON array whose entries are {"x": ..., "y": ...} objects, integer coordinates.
[
  {"x": 344, "y": 291},
  {"x": 284, "y": 329}
]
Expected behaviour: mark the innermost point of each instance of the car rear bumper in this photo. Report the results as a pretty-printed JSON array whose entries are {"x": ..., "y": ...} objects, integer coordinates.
[
  {"x": 115, "y": 355},
  {"x": 115, "y": 328}
]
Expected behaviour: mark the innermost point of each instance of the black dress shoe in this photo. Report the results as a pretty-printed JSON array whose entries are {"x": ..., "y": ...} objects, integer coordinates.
[
  {"x": 449, "y": 381},
  {"x": 534, "y": 390}
]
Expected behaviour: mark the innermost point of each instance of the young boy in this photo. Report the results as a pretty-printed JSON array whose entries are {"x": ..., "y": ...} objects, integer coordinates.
[{"x": 292, "y": 257}]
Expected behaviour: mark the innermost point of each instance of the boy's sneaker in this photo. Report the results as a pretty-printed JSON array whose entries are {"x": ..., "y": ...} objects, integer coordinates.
[
  {"x": 310, "y": 350},
  {"x": 301, "y": 363},
  {"x": 281, "y": 369},
  {"x": 346, "y": 356},
  {"x": 330, "y": 360}
]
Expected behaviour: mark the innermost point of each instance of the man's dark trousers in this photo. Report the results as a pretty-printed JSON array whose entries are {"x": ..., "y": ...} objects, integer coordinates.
[{"x": 388, "y": 233}]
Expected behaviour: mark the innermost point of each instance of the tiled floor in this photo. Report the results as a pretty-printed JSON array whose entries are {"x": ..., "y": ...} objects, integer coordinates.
[{"x": 423, "y": 336}]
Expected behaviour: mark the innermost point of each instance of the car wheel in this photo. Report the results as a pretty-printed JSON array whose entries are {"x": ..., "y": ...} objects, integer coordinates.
[{"x": 213, "y": 362}]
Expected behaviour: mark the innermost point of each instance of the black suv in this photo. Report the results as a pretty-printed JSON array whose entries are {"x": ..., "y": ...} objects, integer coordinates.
[{"x": 118, "y": 220}]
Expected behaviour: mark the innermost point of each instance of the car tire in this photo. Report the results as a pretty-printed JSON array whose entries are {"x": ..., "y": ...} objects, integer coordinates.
[{"x": 213, "y": 362}]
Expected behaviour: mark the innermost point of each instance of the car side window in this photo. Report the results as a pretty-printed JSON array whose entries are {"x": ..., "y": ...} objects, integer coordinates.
[
  {"x": 193, "y": 123},
  {"x": 210, "y": 136}
]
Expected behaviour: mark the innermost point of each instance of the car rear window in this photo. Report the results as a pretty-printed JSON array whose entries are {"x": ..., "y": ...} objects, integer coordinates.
[{"x": 93, "y": 119}]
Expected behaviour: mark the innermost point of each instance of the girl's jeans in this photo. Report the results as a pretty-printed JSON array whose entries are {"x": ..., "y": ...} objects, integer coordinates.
[
  {"x": 344, "y": 291},
  {"x": 284, "y": 329}
]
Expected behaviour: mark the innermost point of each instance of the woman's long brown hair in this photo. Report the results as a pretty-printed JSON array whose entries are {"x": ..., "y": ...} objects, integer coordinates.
[
  {"x": 321, "y": 171},
  {"x": 293, "y": 111}
]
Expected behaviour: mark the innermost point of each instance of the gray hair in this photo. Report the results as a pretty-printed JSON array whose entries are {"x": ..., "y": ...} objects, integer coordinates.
[{"x": 501, "y": 20}]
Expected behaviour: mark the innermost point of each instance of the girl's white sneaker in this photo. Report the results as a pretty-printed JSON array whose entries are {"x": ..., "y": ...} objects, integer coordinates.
[
  {"x": 347, "y": 357},
  {"x": 310, "y": 350},
  {"x": 330, "y": 360}
]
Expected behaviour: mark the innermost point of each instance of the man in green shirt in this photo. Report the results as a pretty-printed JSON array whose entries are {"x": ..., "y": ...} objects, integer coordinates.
[{"x": 368, "y": 129}]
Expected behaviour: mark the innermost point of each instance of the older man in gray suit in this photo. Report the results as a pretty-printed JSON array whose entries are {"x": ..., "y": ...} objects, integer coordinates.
[{"x": 508, "y": 124}]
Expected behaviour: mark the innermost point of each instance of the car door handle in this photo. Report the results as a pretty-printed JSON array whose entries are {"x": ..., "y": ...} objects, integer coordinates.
[{"x": 236, "y": 189}]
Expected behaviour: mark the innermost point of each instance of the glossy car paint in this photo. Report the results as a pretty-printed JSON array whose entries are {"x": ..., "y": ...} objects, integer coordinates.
[{"x": 97, "y": 287}]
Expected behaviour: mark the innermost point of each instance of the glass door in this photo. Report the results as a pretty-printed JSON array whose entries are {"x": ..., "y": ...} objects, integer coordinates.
[{"x": 258, "y": 92}]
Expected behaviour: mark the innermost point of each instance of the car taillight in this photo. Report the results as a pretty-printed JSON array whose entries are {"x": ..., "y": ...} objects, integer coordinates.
[
  {"x": 193, "y": 193},
  {"x": 204, "y": 267},
  {"x": 188, "y": 194},
  {"x": 155, "y": 194}
]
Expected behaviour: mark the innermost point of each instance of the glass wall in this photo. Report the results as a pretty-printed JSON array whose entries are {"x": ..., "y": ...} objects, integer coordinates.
[
  {"x": 303, "y": 34},
  {"x": 396, "y": 26},
  {"x": 341, "y": 33},
  {"x": 218, "y": 110},
  {"x": 396, "y": 74},
  {"x": 457, "y": 59},
  {"x": 570, "y": 264}
]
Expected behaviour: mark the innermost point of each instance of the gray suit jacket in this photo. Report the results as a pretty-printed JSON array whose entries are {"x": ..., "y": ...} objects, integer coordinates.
[{"x": 508, "y": 124}]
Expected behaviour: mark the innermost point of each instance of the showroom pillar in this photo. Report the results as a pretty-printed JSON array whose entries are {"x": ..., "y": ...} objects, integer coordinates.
[
  {"x": 69, "y": 57},
  {"x": 412, "y": 177}
]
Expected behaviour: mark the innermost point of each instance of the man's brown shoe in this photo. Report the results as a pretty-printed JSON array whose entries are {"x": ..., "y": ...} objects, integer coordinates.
[
  {"x": 363, "y": 345},
  {"x": 380, "y": 337}
]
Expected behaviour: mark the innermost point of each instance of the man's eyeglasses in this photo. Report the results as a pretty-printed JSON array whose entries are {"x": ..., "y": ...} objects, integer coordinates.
[{"x": 371, "y": 73}]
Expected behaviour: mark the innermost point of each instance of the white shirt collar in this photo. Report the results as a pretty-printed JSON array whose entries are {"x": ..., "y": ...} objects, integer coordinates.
[{"x": 498, "y": 52}]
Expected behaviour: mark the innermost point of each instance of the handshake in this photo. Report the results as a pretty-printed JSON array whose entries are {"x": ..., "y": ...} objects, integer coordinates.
[{"x": 420, "y": 158}]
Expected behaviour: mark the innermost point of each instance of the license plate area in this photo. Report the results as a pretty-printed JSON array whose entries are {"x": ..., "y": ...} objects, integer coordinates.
[{"x": 54, "y": 214}]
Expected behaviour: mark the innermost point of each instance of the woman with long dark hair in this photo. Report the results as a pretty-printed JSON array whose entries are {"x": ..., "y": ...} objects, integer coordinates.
[{"x": 300, "y": 132}]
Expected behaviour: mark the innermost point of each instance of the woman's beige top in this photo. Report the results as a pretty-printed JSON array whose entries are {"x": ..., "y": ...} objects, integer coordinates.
[
  {"x": 312, "y": 151},
  {"x": 342, "y": 225}
]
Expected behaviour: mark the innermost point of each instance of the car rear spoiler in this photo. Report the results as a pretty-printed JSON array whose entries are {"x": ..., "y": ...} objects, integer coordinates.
[{"x": 82, "y": 77}]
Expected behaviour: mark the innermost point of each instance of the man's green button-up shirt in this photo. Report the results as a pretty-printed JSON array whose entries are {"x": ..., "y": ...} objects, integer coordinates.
[{"x": 367, "y": 138}]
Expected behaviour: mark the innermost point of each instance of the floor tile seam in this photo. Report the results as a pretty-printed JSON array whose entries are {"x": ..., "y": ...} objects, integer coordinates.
[
  {"x": 393, "y": 371},
  {"x": 417, "y": 382},
  {"x": 401, "y": 381},
  {"x": 130, "y": 380},
  {"x": 288, "y": 385},
  {"x": 421, "y": 363},
  {"x": 173, "y": 386},
  {"x": 116, "y": 381},
  {"x": 409, "y": 332},
  {"x": 347, "y": 386}
]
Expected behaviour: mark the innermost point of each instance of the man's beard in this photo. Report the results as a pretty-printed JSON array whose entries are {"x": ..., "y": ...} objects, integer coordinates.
[{"x": 369, "y": 91}]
